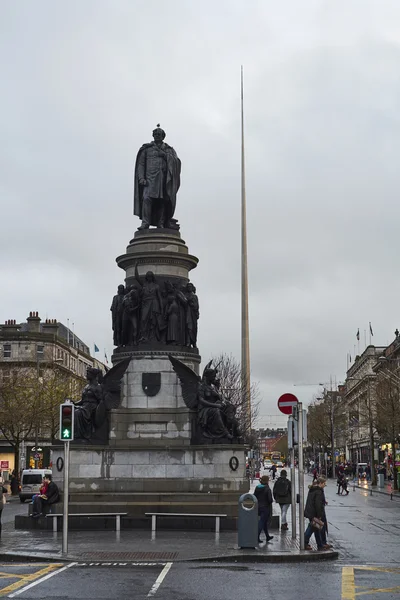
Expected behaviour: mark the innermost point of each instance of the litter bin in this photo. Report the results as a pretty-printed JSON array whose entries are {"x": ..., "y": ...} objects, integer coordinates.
[
  {"x": 248, "y": 521},
  {"x": 381, "y": 480}
]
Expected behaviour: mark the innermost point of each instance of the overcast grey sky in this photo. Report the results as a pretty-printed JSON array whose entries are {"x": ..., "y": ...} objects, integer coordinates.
[{"x": 84, "y": 82}]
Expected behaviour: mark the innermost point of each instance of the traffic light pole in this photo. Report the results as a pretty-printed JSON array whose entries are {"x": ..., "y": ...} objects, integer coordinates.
[{"x": 65, "y": 502}]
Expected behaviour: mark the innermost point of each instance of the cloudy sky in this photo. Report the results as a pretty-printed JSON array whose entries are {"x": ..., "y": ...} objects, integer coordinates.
[{"x": 83, "y": 85}]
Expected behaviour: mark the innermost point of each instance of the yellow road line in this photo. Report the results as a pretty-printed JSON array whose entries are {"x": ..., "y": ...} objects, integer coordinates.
[
  {"x": 378, "y": 591},
  {"x": 348, "y": 589},
  {"x": 27, "y": 578},
  {"x": 380, "y": 569}
]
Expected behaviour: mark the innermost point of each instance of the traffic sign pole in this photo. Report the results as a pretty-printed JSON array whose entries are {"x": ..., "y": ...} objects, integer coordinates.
[
  {"x": 292, "y": 475},
  {"x": 301, "y": 478}
]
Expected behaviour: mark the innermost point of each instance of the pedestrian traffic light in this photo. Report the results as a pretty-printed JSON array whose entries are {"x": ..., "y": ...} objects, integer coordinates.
[{"x": 67, "y": 421}]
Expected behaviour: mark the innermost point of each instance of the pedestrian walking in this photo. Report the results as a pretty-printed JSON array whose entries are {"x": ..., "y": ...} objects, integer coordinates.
[
  {"x": 3, "y": 500},
  {"x": 273, "y": 468},
  {"x": 315, "y": 513},
  {"x": 315, "y": 474},
  {"x": 282, "y": 493},
  {"x": 264, "y": 496}
]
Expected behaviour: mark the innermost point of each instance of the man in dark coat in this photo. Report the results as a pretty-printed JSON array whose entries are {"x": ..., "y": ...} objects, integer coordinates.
[
  {"x": 157, "y": 181},
  {"x": 315, "y": 507},
  {"x": 264, "y": 496},
  {"x": 42, "y": 504},
  {"x": 283, "y": 496}
]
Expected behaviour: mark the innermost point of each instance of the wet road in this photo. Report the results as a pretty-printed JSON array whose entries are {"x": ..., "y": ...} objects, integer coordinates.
[
  {"x": 365, "y": 530},
  {"x": 184, "y": 581}
]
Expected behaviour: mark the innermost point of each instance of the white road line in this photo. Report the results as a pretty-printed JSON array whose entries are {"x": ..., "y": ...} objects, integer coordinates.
[
  {"x": 160, "y": 579},
  {"x": 31, "y": 585}
]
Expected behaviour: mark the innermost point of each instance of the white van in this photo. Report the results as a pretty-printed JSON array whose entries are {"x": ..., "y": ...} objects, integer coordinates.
[{"x": 31, "y": 482}]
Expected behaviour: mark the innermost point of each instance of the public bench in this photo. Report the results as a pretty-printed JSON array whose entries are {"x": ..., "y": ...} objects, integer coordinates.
[
  {"x": 154, "y": 516},
  {"x": 117, "y": 516}
]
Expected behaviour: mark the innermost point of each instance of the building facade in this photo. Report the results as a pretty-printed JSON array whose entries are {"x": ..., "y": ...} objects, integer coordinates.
[
  {"x": 47, "y": 354},
  {"x": 360, "y": 396}
]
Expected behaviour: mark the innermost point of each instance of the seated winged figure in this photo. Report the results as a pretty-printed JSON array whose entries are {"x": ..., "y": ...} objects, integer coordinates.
[
  {"x": 102, "y": 393},
  {"x": 215, "y": 415}
]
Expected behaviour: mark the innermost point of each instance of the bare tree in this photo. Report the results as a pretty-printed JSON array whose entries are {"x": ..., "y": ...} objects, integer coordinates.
[
  {"x": 19, "y": 410},
  {"x": 234, "y": 390},
  {"x": 326, "y": 422},
  {"x": 30, "y": 401},
  {"x": 387, "y": 415}
]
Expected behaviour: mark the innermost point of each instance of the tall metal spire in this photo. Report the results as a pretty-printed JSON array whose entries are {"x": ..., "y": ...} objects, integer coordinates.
[{"x": 245, "y": 364}]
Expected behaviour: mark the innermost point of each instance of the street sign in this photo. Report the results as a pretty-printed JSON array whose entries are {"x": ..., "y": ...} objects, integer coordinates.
[{"x": 286, "y": 403}]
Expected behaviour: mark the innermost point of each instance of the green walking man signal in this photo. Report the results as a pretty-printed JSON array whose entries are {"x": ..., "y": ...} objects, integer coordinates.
[{"x": 67, "y": 410}]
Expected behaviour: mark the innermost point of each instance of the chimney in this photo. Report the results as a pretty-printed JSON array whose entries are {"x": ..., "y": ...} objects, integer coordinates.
[
  {"x": 10, "y": 326},
  {"x": 33, "y": 322},
  {"x": 50, "y": 326}
]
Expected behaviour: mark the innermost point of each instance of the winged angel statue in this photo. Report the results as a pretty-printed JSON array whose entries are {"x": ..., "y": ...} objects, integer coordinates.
[
  {"x": 101, "y": 393},
  {"x": 215, "y": 415}
]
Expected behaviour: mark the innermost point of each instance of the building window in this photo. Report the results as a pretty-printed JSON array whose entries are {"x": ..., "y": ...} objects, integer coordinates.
[
  {"x": 58, "y": 353},
  {"x": 40, "y": 351},
  {"x": 7, "y": 351}
]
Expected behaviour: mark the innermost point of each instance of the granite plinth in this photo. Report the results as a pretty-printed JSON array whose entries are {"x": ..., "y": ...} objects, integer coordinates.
[{"x": 159, "y": 250}]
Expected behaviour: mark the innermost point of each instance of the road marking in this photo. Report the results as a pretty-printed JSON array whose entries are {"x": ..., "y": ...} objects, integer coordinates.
[
  {"x": 31, "y": 585},
  {"x": 348, "y": 588},
  {"x": 379, "y": 591},
  {"x": 25, "y": 577},
  {"x": 160, "y": 579}
]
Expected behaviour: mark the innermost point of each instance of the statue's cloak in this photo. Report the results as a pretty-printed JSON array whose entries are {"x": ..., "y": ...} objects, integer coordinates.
[{"x": 172, "y": 184}]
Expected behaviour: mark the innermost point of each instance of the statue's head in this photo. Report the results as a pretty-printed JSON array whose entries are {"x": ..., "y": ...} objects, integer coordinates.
[
  {"x": 150, "y": 276},
  {"x": 92, "y": 373},
  {"x": 121, "y": 289},
  {"x": 210, "y": 375},
  {"x": 158, "y": 133},
  {"x": 190, "y": 287}
]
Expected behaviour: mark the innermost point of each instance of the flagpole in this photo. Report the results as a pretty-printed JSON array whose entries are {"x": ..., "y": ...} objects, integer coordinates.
[
  {"x": 365, "y": 338},
  {"x": 245, "y": 366}
]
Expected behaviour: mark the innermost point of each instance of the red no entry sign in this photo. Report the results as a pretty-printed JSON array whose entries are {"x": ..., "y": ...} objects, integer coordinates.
[{"x": 286, "y": 403}]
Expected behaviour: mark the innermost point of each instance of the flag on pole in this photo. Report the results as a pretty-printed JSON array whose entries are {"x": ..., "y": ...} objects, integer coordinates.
[
  {"x": 96, "y": 348},
  {"x": 370, "y": 328},
  {"x": 105, "y": 357},
  {"x": 358, "y": 334}
]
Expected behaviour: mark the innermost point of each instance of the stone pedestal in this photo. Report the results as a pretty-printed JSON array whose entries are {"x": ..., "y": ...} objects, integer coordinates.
[{"x": 150, "y": 463}]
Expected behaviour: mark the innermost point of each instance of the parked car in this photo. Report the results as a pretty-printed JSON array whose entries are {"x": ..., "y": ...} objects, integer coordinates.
[{"x": 31, "y": 481}]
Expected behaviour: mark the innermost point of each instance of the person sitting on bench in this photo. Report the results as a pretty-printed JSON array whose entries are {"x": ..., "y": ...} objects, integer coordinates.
[{"x": 42, "y": 502}]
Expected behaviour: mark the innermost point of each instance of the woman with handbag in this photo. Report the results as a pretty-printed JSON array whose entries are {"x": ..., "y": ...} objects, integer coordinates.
[{"x": 315, "y": 512}]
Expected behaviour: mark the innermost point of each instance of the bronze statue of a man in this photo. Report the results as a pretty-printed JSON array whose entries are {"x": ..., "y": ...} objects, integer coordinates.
[{"x": 157, "y": 181}]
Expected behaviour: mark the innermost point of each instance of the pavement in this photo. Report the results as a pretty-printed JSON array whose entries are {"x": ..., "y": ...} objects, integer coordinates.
[
  {"x": 144, "y": 545},
  {"x": 364, "y": 529},
  {"x": 95, "y": 547}
]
